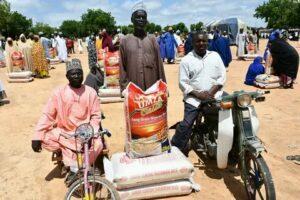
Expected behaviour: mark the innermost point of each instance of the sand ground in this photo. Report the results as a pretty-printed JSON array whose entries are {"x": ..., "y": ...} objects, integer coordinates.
[{"x": 27, "y": 175}]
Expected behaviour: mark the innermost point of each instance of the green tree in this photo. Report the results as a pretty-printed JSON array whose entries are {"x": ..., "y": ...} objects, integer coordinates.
[
  {"x": 126, "y": 29},
  {"x": 4, "y": 15},
  {"x": 280, "y": 13},
  {"x": 180, "y": 26},
  {"x": 196, "y": 27},
  {"x": 42, "y": 27},
  {"x": 96, "y": 19},
  {"x": 152, "y": 28},
  {"x": 72, "y": 28},
  {"x": 17, "y": 24}
]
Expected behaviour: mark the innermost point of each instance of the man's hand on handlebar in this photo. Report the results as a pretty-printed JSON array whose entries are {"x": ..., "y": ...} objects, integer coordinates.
[
  {"x": 36, "y": 145},
  {"x": 204, "y": 95}
]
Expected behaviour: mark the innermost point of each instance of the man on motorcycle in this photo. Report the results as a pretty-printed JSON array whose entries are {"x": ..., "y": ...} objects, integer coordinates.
[
  {"x": 69, "y": 106},
  {"x": 201, "y": 77}
]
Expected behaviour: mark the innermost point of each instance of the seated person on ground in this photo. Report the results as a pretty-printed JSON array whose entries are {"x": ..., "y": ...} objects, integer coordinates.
[
  {"x": 69, "y": 106},
  {"x": 256, "y": 68},
  {"x": 202, "y": 75}
]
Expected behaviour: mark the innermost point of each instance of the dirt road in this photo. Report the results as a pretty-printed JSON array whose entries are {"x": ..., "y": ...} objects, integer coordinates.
[{"x": 27, "y": 175}]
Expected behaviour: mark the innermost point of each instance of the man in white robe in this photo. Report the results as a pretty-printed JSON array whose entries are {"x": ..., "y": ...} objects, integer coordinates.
[
  {"x": 61, "y": 48},
  {"x": 240, "y": 42}
]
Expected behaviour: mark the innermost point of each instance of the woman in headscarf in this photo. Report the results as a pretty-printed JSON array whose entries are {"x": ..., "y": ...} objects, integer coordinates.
[
  {"x": 256, "y": 68},
  {"x": 10, "y": 47},
  {"x": 40, "y": 63},
  {"x": 25, "y": 47}
]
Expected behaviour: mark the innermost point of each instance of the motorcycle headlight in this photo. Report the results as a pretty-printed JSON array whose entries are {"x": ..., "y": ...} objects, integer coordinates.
[{"x": 244, "y": 100}]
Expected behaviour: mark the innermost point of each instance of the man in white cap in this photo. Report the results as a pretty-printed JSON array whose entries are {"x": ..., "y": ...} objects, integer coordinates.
[
  {"x": 69, "y": 106},
  {"x": 140, "y": 60}
]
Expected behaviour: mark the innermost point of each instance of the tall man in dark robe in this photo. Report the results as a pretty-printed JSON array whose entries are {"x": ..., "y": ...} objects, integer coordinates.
[{"x": 140, "y": 60}]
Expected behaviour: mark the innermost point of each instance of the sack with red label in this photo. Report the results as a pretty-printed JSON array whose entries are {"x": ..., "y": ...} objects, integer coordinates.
[
  {"x": 17, "y": 60},
  {"x": 111, "y": 69},
  {"x": 180, "y": 50},
  {"x": 146, "y": 120}
]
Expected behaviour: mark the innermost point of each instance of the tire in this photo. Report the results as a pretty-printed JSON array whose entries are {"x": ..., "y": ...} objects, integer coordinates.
[
  {"x": 73, "y": 193},
  {"x": 261, "y": 177}
]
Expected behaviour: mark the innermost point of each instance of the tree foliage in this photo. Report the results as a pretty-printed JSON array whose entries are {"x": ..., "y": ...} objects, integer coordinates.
[
  {"x": 180, "y": 26},
  {"x": 12, "y": 23},
  {"x": 152, "y": 28},
  {"x": 42, "y": 27},
  {"x": 72, "y": 28},
  {"x": 280, "y": 13},
  {"x": 196, "y": 27},
  {"x": 17, "y": 24},
  {"x": 96, "y": 19}
]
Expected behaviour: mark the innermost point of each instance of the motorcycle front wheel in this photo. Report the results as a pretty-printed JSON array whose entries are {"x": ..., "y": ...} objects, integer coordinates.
[
  {"x": 259, "y": 182},
  {"x": 102, "y": 189}
]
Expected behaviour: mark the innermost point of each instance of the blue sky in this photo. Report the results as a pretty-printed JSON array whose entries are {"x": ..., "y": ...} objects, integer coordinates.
[{"x": 163, "y": 12}]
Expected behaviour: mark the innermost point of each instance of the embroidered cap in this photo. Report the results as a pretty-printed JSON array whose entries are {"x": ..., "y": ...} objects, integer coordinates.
[{"x": 73, "y": 64}]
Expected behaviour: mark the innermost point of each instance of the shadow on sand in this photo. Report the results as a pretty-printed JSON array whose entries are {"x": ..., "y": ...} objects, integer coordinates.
[
  {"x": 231, "y": 176},
  {"x": 56, "y": 172}
]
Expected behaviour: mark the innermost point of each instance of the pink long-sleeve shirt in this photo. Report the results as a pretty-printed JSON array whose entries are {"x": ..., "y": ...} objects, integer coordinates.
[{"x": 67, "y": 109}]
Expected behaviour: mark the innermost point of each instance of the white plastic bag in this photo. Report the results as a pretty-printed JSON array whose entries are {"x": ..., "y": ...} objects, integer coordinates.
[
  {"x": 125, "y": 172},
  {"x": 174, "y": 188}
]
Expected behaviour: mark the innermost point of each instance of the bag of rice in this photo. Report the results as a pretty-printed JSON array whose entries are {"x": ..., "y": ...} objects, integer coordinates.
[
  {"x": 111, "y": 69},
  {"x": 125, "y": 172},
  {"x": 146, "y": 120},
  {"x": 265, "y": 78},
  {"x": 17, "y": 60},
  {"x": 174, "y": 188}
]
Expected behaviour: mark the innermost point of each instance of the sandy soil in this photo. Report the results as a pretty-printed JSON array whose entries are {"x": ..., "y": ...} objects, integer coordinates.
[{"x": 28, "y": 175}]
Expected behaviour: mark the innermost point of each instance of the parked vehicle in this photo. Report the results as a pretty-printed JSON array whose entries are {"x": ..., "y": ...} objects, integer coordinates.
[{"x": 227, "y": 130}]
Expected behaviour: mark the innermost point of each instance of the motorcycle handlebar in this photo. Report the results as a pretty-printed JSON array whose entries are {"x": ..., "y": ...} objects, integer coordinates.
[{"x": 100, "y": 133}]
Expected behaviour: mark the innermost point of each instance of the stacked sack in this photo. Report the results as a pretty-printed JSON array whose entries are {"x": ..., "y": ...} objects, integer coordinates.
[
  {"x": 149, "y": 168},
  {"x": 18, "y": 75},
  {"x": 53, "y": 57},
  {"x": 110, "y": 92},
  {"x": 168, "y": 174},
  {"x": 266, "y": 81}
]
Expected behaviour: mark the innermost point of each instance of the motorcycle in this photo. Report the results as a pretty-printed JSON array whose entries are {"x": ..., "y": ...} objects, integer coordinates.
[{"x": 226, "y": 129}]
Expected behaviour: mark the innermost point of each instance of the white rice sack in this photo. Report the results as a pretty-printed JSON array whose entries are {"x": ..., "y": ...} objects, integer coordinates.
[
  {"x": 19, "y": 80},
  {"x": 104, "y": 100},
  {"x": 267, "y": 85},
  {"x": 109, "y": 92},
  {"x": 265, "y": 78},
  {"x": 125, "y": 172},
  {"x": 174, "y": 188},
  {"x": 20, "y": 75}
]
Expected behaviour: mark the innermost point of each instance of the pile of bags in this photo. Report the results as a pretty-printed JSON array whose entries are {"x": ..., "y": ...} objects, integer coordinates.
[
  {"x": 20, "y": 77},
  {"x": 110, "y": 92},
  {"x": 168, "y": 174},
  {"x": 53, "y": 57},
  {"x": 266, "y": 81},
  {"x": 149, "y": 168},
  {"x": 17, "y": 74}
]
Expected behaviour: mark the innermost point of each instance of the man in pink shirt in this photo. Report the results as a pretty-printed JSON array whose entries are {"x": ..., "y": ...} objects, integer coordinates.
[{"x": 69, "y": 106}]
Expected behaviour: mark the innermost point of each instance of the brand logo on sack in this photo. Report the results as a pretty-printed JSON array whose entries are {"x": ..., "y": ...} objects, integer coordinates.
[{"x": 150, "y": 103}]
